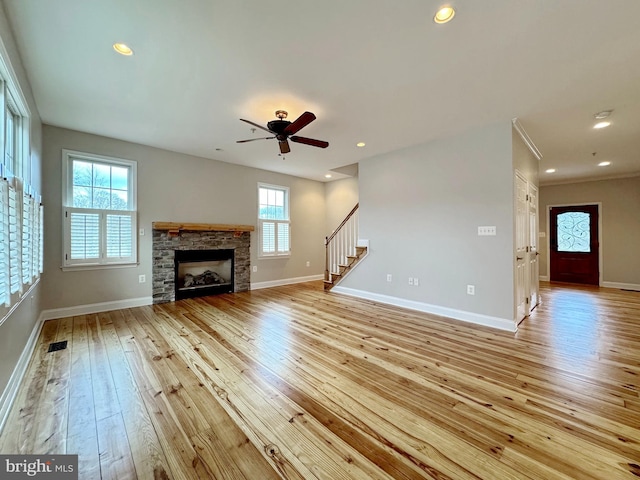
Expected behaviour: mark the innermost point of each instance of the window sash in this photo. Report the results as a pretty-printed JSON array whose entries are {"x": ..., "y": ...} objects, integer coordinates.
[
  {"x": 273, "y": 202},
  {"x": 275, "y": 238},
  {"x": 27, "y": 236},
  {"x": 14, "y": 242},
  {"x": 99, "y": 237},
  {"x": 5, "y": 295}
]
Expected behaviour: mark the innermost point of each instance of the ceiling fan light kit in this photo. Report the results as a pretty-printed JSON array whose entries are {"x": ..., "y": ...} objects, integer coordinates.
[{"x": 284, "y": 130}]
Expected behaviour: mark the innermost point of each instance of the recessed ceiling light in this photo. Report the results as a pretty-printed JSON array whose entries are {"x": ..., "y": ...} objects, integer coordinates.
[
  {"x": 327, "y": 175},
  {"x": 603, "y": 114},
  {"x": 444, "y": 14},
  {"x": 360, "y": 144},
  {"x": 122, "y": 49},
  {"x": 550, "y": 170},
  {"x": 604, "y": 164},
  {"x": 602, "y": 124}
]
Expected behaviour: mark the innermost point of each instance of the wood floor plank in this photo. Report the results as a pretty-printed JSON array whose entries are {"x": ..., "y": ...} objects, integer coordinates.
[
  {"x": 20, "y": 432},
  {"x": 116, "y": 461},
  {"x": 105, "y": 398},
  {"x": 82, "y": 430},
  {"x": 52, "y": 419},
  {"x": 293, "y": 382},
  {"x": 147, "y": 455}
]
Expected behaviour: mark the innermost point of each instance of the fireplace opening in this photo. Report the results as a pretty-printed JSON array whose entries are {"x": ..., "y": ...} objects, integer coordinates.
[{"x": 203, "y": 272}]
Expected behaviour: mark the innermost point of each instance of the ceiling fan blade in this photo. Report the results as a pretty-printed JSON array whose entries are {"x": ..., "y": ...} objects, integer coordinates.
[
  {"x": 310, "y": 141},
  {"x": 302, "y": 121},
  {"x": 254, "y": 139},
  {"x": 284, "y": 146},
  {"x": 256, "y": 125}
]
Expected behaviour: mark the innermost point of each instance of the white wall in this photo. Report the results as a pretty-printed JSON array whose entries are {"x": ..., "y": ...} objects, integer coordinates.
[
  {"x": 16, "y": 328},
  {"x": 175, "y": 188},
  {"x": 420, "y": 209},
  {"x": 620, "y": 217}
]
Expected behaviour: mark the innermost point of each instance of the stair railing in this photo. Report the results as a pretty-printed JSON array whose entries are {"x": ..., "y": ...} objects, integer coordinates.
[{"x": 341, "y": 243}]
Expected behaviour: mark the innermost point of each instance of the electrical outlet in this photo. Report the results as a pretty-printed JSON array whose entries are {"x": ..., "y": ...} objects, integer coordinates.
[
  {"x": 416, "y": 282},
  {"x": 308, "y": 264},
  {"x": 254, "y": 269},
  {"x": 142, "y": 278},
  {"x": 388, "y": 277},
  {"x": 410, "y": 280},
  {"x": 471, "y": 289}
]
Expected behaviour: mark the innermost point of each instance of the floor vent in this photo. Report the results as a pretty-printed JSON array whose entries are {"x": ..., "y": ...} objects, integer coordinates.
[{"x": 54, "y": 347}]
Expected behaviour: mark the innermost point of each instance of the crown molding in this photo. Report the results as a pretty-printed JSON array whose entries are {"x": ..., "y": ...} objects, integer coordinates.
[{"x": 526, "y": 138}]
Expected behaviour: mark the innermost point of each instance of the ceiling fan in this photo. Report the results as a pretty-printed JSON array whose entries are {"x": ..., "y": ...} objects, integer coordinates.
[{"x": 284, "y": 130}]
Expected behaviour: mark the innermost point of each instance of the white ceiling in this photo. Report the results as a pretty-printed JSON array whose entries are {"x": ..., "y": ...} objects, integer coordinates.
[{"x": 380, "y": 72}]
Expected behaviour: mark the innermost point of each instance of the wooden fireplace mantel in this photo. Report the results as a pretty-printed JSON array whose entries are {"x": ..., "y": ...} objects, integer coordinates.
[{"x": 175, "y": 228}]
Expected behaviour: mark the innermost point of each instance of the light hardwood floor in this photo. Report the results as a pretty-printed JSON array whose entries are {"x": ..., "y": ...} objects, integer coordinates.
[{"x": 295, "y": 383}]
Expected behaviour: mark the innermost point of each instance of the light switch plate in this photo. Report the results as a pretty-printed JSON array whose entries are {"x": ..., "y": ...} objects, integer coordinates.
[{"x": 487, "y": 231}]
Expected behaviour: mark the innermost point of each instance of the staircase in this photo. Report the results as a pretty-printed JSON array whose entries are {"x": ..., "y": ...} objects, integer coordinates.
[{"x": 342, "y": 252}]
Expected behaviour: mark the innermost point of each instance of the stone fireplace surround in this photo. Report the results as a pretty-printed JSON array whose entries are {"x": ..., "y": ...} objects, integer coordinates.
[{"x": 169, "y": 237}]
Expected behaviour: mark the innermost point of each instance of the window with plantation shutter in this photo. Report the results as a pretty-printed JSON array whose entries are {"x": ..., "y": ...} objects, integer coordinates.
[
  {"x": 14, "y": 242},
  {"x": 41, "y": 240},
  {"x": 100, "y": 210},
  {"x": 35, "y": 238},
  {"x": 273, "y": 221},
  {"x": 27, "y": 235},
  {"x": 17, "y": 224},
  {"x": 4, "y": 243}
]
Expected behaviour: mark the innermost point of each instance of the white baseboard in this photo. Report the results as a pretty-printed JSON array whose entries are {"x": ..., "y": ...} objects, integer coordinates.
[
  {"x": 11, "y": 390},
  {"x": 543, "y": 278},
  {"x": 95, "y": 308},
  {"x": 623, "y": 286},
  {"x": 285, "y": 281},
  {"x": 479, "y": 319}
]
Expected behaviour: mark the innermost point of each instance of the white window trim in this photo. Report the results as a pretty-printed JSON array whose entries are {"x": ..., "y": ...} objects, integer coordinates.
[
  {"x": 20, "y": 172},
  {"x": 67, "y": 196},
  {"x": 261, "y": 221}
]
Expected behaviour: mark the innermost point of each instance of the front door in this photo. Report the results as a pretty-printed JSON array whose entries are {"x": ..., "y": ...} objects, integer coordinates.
[{"x": 574, "y": 244}]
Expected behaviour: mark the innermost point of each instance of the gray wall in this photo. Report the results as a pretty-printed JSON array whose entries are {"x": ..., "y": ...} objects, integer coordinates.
[
  {"x": 523, "y": 160},
  {"x": 16, "y": 328},
  {"x": 341, "y": 197},
  {"x": 176, "y": 188},
  {"x": 620, "y": 217},
  {"x": 420, "y": 209}
]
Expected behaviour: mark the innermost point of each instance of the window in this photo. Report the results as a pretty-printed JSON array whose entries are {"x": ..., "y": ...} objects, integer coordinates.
[
  {"x": 20, "y": 230},
  {"x": 5, "y": 295},
  {"x": 99, "y": 195},
  {"x": 10, "y": 138},
  {"x": 574, "y": 232},
  {"x": 273, "y": 221}
]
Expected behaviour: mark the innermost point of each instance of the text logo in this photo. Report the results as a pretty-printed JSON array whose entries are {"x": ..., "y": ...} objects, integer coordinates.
[{"x": 50, "y": 467}]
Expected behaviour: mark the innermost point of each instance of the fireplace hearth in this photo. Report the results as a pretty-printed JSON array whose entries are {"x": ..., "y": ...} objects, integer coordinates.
[{"x": 203, "y": 272}]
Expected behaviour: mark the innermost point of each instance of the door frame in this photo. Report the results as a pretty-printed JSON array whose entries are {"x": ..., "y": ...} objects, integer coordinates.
[
  {"x": 548, "y": 235},
  {"x": 528, "y": 281}
]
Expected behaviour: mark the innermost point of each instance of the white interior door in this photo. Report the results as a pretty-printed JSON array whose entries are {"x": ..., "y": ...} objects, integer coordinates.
[
  {"x": 521, "y": 230},
  {"x": 533, "y": 249}
]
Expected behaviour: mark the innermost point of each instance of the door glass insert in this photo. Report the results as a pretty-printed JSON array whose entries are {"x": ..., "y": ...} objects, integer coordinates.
[{"x": 573, "y": 232}]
